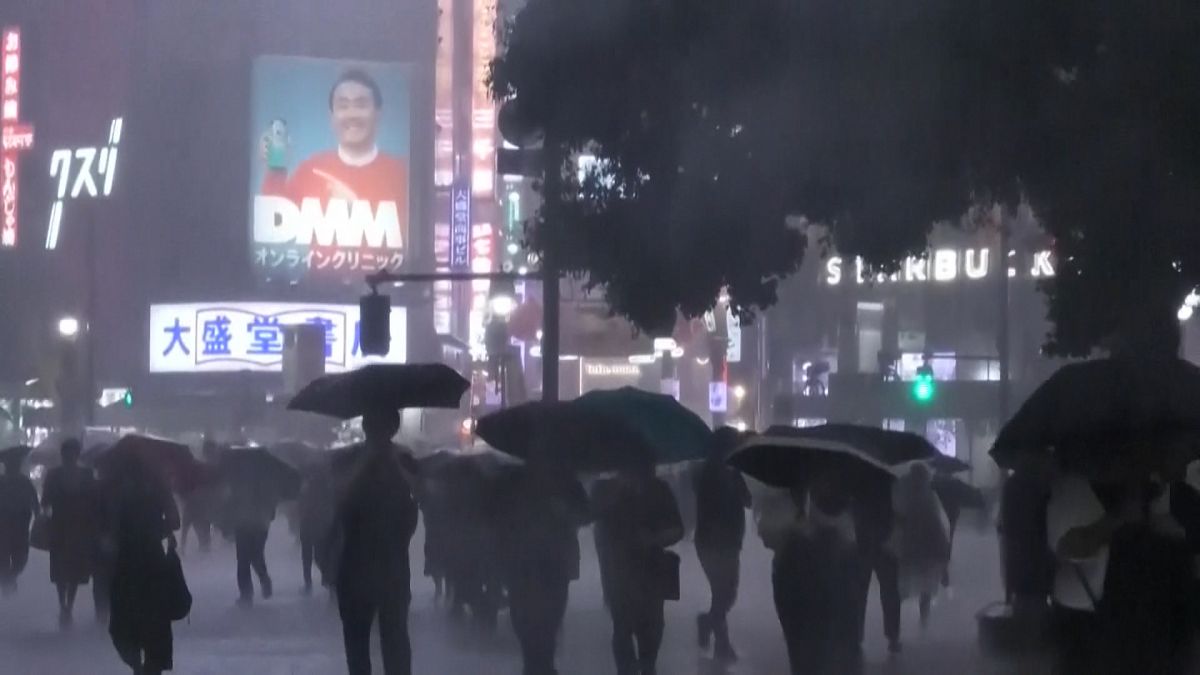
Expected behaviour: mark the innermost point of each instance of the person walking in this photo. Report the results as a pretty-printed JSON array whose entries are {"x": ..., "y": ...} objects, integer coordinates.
[
  {"x": 637, "y": 518},
  {"x": 199, "y": 505},
  {"x": 18, "y": 503},
  {"x": 545, "y": 507},
  {"x": 69, "y": 501},
  {"x": 721, "y": 502},
  {"x": 873, "y": 525},
  {"x": 143, "y": 514},
  {"x": 316, "y": 517},
  {"x": 374, "y": 521},
  {"x": 252, "y": 505}
]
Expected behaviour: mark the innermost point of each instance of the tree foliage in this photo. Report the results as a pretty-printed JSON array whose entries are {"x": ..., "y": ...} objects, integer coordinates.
[
  {"x": 715, "y": 121},
  {"x": 1088, "y": 109}
]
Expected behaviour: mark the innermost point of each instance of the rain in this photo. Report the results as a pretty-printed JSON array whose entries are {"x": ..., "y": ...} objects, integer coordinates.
[{"x": 555, "y": 337}]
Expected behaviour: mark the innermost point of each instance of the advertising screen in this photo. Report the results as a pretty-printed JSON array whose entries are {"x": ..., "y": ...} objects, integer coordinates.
[
  {"x": 236, "y": 336},
  {"x": 330, "y": 158}
]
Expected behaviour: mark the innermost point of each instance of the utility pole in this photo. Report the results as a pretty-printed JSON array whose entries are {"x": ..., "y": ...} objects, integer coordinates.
[
  {"x": 1002, "y": 331},
  {"x": 551, "y": 335}
]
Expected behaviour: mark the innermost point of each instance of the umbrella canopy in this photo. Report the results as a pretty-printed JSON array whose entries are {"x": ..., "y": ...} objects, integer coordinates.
[
  {"x": 297, "y": 453},
  {"x": 169, "y": 459},
  {"x": 395, "y": 386},
  {"x": 602, "y": 430},
  {"x": 887, "y": 446},
  {"x": 258, "y": 467},
  {"x": 958, "y": 495},
  {"x": 17, "y": 453},
  {"x": 787, "y": 457},
  {"x": 1091, "y": 413}
]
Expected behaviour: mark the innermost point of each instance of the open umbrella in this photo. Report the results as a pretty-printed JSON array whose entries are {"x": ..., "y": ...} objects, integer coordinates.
[
  {"x": 297, "y": 453},
  {"x": 394, "y": 385},
  {"x": 169, "y": 459},
  {"x": 954, "y": 493},
  {"x": 257, "y": 466},
  {"x": 887, "y": 446},
  {"x": 17, "y": 453},
  {"x": 601, "y": 430},
  {"x": 1095, "y": 412},
  {"x": 786, "y": 457}
]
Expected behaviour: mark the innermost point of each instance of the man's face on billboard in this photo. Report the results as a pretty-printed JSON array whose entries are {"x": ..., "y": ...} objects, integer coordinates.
[{"x": 355, "y": 116}]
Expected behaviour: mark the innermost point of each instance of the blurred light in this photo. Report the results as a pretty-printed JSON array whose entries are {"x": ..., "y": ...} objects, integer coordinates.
[
  {"x": 467, "y": 425},
  {"x": 740, "y": 425},
  {"x": 702, "y": 360},
  {"x": 502, "y": 305},
  {"x": 522, "y": 270},
  {"x": 30, "y": 383},
  {"x": 539, "y": 334},
  {"x": 513, "y": 248},
  {"x": 68, "y": 326},
  {"x": 642, "y": 359},
  {"x": 1185, "y": 312},
  {"x": 739, "y": 392},
  {"x": 664, "y": 344},
  {"x": 677, "y": 353}
]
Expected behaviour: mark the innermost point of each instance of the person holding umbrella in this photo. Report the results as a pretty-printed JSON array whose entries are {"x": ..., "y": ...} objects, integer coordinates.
[
  {"x": 721, "y": 502},
  {"x": 375, "y": 518},
  {"x": 637, "y": 519},
  {"x": 545, "y": 507},
  {"x": 18, "y": 503},
  {"x": 69, "y": 500},
  {"x": 142, "y": 514}
]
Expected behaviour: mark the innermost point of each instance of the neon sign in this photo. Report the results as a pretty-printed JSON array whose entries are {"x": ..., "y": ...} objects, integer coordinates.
[
  {"x": 15, "y": 136},
  {"x": 942, "y": 265},
  {"x": 93, "y": 170}
]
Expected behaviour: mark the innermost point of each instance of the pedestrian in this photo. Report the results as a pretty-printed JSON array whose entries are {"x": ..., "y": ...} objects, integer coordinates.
[
  {"x": 540, "y": 518},
  {"x": 252, "y": 504},
  {"x": 721, "y": 502},
  {"x": 143, "y": 514},
  {"x": 199, "y": 506},
  {"x": 814, "y": 579},
  {"x": 69, "y": 501},
  {"x": 637, "y": 518},
  {"x": 316, "y": 518},
  {"x": 873, "y": 525},
  {"x": 375, "y": 518},
  {"x": 18, "y": 503},
  {"x": 921, "y": 538}
]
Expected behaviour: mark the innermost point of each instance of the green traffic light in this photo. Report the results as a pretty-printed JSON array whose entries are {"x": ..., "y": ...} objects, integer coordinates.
[
  {"x": 923, "y": 389},
  {"x": 127, "y": 399}
]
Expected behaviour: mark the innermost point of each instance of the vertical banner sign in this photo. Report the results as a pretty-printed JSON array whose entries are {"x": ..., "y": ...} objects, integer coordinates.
[
  {"x": 483, "y": 107},
  {"x": 14, "y": 135},
  {"x": 460, "y": 228},
  {"x": 443, "y": 112}
]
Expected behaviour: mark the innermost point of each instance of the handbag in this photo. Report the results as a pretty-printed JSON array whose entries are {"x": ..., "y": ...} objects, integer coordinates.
[
  {"x": 39, "y": 533},
  {"x": 666, "y": 574},
  {"x": 177, "y": 599}
]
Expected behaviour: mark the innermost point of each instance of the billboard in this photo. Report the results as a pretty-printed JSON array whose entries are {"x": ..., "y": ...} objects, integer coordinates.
[
  {"x": 236, "y": 336},
  {"x": 330, "y": 168}
]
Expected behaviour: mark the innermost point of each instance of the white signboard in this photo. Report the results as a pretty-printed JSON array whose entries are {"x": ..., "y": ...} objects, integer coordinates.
[{"x": 235, "y": 336}]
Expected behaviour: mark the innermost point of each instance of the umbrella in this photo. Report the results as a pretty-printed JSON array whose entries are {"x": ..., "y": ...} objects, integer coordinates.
[
  {"x": 171, "y": 460},
  {"x": 297, "y": 453},
  {"x": 395, "y": 386},
  {"x": 602, "y": 430},
  {"x": 786, "y": 457},
  {"x": 258, "y": 467},
  {"x": 17, "y": 453},
  {"x": 885, "y": 445},
  {"x": 957, "y": 494},
  {"x": 1093, "y": 412}
]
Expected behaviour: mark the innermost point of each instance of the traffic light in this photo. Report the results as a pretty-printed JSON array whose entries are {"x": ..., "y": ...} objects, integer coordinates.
[
  {"x": 127, "y": 398},
  {"x": 924, "y": 389},
  {"x": 374, "y": 332}
]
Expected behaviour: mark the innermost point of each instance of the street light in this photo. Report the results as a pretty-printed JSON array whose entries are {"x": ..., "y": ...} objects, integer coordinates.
[
  {"x": 502, "y": 298},
  {"x": 68, "y": 327}
]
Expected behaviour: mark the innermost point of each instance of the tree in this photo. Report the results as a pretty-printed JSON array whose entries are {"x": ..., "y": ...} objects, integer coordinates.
[{"x": 1088, "y": 110}]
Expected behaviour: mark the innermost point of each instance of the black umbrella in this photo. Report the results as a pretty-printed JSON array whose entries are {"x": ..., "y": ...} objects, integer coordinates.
[
  {"x": 958, "y": 495},
  {"x": 256, "y": 466},
  {"x": 17, "y": 453},
  {"x": 584, "y": 441},
  {"x": 393, "y": 386},
  {"x": 1091, "y": 413},
  {"x": 787, "y": 457},
  {"x": 887, "y": 446}
]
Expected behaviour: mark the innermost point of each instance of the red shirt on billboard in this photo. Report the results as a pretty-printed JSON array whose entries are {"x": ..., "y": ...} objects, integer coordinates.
[{"x": 356, "y": 170}]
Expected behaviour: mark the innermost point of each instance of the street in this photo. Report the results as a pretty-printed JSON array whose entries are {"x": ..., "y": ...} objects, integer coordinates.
[{"x": 295, "y": 635}]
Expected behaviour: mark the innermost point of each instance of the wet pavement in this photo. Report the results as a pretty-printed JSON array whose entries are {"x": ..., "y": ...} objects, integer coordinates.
[{"x": 292, "y": 634}]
